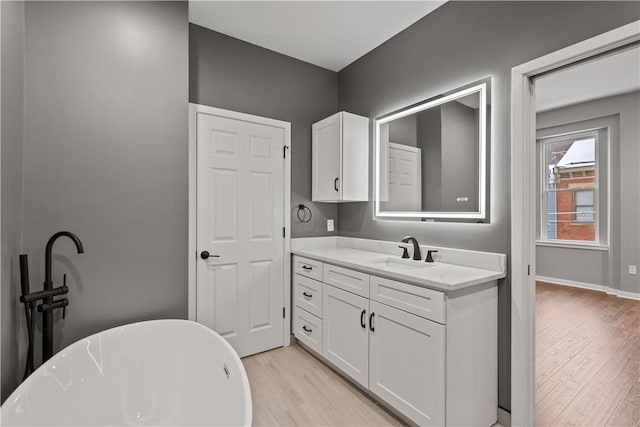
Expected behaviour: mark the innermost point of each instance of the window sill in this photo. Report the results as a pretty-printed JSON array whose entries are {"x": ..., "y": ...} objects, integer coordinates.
[{"x": 574, "y": 245}]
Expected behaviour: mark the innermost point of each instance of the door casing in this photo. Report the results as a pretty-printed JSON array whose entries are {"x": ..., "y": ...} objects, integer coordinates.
[{"x": 192, "y": 253}]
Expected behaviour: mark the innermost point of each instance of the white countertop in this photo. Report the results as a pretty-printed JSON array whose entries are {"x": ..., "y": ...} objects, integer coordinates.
[{"x": 437, "y": 275}]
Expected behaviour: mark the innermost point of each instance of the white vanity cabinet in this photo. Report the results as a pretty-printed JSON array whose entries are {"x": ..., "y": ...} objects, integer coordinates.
[
  {"x": 340, "y": 159},
  {"x": 431, "y": 356}
]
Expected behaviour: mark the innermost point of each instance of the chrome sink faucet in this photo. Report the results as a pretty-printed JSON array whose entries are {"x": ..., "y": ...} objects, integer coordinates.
[{"x": 417, "y": 256}]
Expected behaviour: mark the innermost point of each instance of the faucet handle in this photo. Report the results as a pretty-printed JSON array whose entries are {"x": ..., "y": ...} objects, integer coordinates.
[
  {"x": 405, "y": 253},
  {"x": 429, "y": 257}
]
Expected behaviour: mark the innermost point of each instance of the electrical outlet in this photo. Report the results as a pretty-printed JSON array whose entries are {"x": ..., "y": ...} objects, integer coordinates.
[
  {"x": 633, "y": 269},
  {"x": 330, "y": 226}
]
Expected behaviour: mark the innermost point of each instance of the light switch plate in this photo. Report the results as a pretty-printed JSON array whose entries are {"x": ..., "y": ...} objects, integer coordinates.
[
  {"x": 330, "y": 226},
  {"x": 633, "y": 269}
]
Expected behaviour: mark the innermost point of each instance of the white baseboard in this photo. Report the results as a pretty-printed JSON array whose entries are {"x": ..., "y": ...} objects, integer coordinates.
[
  {"x": 628, "y": 295},
  {"x": 589, "y": 286},
  {"x": 504, "y": 417}
]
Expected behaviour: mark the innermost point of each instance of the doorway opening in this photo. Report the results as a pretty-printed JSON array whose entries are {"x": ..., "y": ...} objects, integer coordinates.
[
  {"x": 550, "y": 216},
  {"x": 586, "y": 337}
]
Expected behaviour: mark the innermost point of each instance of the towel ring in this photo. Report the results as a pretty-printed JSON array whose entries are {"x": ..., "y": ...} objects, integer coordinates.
[{"x": 302, "y": 213}]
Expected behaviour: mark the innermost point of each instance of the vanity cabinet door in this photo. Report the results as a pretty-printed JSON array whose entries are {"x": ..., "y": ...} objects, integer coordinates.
[
  {"x": 345, "y": 340},
  {"x": 407, "y": 363}
]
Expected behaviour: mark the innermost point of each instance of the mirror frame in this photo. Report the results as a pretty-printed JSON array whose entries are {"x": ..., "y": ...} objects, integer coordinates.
[{"x": 480, "y": 214}]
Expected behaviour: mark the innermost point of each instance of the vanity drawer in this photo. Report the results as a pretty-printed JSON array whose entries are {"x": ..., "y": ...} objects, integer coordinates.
[
  {"x": 308, "y": 267},
  {"x": 414, "y": 299},
  {"x": 308, "y": 294},
  {"x": 308, "y": 330},
  {"x": 348, "y": 280}
]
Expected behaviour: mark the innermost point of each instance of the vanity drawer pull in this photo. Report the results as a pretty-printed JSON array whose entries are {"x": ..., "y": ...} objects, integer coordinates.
[
  {"x": 362, "y": 319},
  {"x": 306, "y": 267},
  {"x": 307, "y": 329},
  {"x": 307, "y": 295}
]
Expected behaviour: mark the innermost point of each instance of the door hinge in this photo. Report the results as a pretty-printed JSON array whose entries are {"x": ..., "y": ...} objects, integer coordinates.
[
  {"x": 284, "y": 151},
  {"x": 284, "y": 312},
  {"x": 284, "y": 232},
  {"x": 529, "y": 270}
]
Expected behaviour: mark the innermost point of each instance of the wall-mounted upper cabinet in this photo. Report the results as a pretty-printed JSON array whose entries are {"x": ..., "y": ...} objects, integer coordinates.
[{"x": 340, "y": 159}]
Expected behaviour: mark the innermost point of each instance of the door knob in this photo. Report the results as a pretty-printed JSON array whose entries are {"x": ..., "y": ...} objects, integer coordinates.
[{"x": 207, "y": 255}]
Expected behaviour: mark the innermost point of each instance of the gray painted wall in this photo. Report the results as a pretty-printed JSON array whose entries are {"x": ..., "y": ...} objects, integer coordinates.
[
  {"x": 593, "y": 267},
  {"x": 404, "y": 130},
  {"x": 433, "y": 56},
  {"x": 12, "y": 72},
  {"x": 106, "y": 91},
  {"x": 228, "y": 73}
]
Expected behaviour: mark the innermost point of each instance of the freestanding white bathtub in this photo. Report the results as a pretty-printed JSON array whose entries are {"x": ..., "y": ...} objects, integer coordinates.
[{"x": 156, "y": 373}]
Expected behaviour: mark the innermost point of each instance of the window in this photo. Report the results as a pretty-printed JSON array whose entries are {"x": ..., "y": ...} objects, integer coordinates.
[
  {"x": 571, "y": 173},
  {"x": 584, "y": 208}
]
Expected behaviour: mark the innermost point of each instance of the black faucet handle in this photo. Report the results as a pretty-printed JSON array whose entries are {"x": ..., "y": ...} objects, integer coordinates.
[
  {"x": 61, "y": 303},
  {"x": 405, "y": 252},
  {"x": 429, "y": 257}
]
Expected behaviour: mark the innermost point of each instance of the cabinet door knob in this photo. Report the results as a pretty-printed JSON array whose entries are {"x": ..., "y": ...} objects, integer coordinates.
[
  {"x": 371, "y": 322},
  {"x": 362, "y": 319},
  {"x": 335, "y": 184}
]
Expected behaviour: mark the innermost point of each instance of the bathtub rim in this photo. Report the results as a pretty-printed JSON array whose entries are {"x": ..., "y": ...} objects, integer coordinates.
[{"x": 248, "y": 410}]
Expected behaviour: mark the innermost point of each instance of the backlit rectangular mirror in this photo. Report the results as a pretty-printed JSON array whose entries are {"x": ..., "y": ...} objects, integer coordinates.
[{"x": 430, "y": 158}]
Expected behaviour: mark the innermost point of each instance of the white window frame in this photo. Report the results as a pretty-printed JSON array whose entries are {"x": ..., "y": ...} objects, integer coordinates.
[{"x": 601, "y": 169}]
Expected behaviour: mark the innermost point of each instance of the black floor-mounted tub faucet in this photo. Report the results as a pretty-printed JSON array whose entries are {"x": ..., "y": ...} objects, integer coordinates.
[{"x": 48, "y": 305}]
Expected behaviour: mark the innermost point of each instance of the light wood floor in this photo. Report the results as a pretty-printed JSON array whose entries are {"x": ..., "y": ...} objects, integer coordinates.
[
  {"x": 289, "y": 387},
  {"x": 587, "y": 358}
]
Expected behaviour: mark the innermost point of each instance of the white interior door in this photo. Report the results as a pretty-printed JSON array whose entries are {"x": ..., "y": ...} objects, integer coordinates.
[
  {"x": 240, "y": 220},
  {"x": 405, "y": 178}
]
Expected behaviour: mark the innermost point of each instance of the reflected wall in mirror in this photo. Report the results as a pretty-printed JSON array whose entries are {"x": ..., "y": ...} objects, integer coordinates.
[{"x": 431, "y": 158}]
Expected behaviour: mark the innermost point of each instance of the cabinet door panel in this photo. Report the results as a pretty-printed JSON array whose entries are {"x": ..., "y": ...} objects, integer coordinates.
[
  {"x": 407, "y": 364},
  {"x": 345, "y": 342},
  {"x": 326, "y": 159}
]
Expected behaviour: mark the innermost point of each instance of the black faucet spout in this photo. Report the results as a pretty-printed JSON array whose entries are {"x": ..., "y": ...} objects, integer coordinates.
[
  {"x": 48, "y": 304},
  {"x": 49, "y": 248},
  {"x": 417, "y": 256}
]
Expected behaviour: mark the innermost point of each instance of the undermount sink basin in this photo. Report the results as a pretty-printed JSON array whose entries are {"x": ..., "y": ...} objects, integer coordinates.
[{"x": 401, "y": 264}]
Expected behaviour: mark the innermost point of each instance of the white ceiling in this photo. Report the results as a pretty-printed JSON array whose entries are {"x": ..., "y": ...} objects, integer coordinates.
[
  {"x": 609, "y": 75},
  {"x": 330, "y": 34}
]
